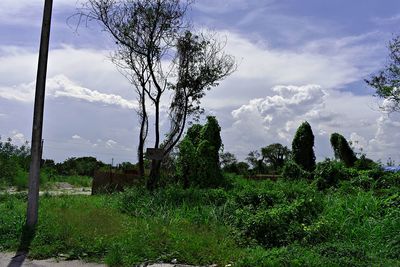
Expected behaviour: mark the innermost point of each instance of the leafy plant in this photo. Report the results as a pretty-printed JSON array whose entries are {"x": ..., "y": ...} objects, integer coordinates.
[
  {"x": 292, "y": 171},
  {"x": 328, "y": 173}
]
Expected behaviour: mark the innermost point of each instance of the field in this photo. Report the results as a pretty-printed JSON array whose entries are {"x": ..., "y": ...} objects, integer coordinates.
[{"x": 245, "y": 223}]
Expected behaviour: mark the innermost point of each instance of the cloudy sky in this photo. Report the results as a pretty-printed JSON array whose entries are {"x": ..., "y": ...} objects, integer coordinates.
[{"x": 297, "y": 61}]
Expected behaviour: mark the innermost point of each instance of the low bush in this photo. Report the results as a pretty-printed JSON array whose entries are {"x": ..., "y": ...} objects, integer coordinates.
[
  {"x": 328, "y": 174},
  {"x": 274, "y": 214},
  {"x": 293, "y": 171}
]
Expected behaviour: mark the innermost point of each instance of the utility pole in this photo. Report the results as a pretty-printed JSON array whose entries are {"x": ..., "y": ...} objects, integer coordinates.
[{"x": 36, "y": 144}]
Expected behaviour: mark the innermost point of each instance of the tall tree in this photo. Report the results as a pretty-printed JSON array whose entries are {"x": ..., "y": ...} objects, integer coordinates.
[
  {"x": 342, "y": 150},
  {"x": 275, "y": 155},
  {"x": 159, "y": 52},
  {"x": 227, "y": 159},
  {"x": 387, "y": 81},
  {"x": 303, "y": 147},
  {"x": 255, "y": 159}
]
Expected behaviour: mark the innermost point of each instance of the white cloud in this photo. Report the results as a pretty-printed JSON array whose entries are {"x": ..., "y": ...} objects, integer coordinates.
[
  {"x": 21, "y": 12},
  {"x": 17, "y": 137},
  {"x": 110, "y": 143},
  {"x": 304, "y": 66},
  {"x": 60, "y": 86},
  {"x": 76, "y": 137},
  {"x": 386, "y": 141},
  {"x": 223, "y": 6},
  {"x": 330, "y": 63},
  {"x": 275, "y": 118},
  {"x": 387, "y": 20}
]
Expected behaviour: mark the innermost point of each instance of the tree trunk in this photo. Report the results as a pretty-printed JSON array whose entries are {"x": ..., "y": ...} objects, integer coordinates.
[
  {"x": 143, "y": 133},
  {"x": 154, "y": 176},
  {"x": 141, "y": 157}
]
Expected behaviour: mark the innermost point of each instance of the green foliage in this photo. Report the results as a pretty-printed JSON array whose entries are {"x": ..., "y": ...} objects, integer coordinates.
[
  {"x": 328, "y": 173},
  {"x": 13, "y": 160},
  {"x": 292, "y": 171},
  {"x": 364, "y": 163},
  {"x": 255, "y": 159},
  {"x": 274, "y": 214},
  {"x": 187, "y": 163},
  {"x": 275, "y": 155},
  {"x": 303, "y": 147},
  {"x": 198, "y": 158},
  {"x": 387, "y": 82},
  {"x": 242, "y": 168},
  {"x": 85, "y": 166},
  {"x": 193, "y": 134},
  {"x": 342, "y": 150},
  {"x": 228, "y": 162}
]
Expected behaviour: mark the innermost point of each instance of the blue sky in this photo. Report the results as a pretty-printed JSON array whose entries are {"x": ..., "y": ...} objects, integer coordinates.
[{"x": 298, "y": 60}]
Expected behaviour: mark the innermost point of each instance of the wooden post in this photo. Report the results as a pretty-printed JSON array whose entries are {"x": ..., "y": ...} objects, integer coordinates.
[{"x": 36, "y": 144}]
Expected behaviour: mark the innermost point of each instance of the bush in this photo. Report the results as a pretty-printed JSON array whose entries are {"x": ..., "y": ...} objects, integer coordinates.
[
  {"x": 303, "y": 147},
  {"x": 273, "y": 213},
  {"x": 328, "y": 174},
  {"x": 198, "y": 158},
  {"x": 292, "y": 171},
  {"x": 342, "y": 150}
]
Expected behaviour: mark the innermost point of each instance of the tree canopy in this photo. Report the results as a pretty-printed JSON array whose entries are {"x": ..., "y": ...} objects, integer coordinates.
[
  {"x": 275, "y": 155},
  {"x": 387, "y": 81}
]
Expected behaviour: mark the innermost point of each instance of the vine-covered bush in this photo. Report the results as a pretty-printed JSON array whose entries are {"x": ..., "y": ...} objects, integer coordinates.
[
  {"x": 274, "y": 213},
  {"x": 198, "y": 157},
  {"x": 342, "y": 150},
  {"x": 328, "y": 173},
  {"x": 303, "y": 147},
  {"x": 292, "y": 171}
]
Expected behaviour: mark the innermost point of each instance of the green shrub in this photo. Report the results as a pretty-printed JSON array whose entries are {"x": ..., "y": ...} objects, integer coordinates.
[
  {"x": 342, "y": 150},
  {"x": 364, "y": 163},
  {"x": 292, "y": 171},
  {"x": 328, "y": 174},
  {"x": 198, "y": 158},
  {"x": 303, "y": 147},
  {"x": 273, "y": 213}
]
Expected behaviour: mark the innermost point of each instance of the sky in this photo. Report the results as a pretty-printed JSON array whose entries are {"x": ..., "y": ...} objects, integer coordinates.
[{"x": 297, "y": 61}]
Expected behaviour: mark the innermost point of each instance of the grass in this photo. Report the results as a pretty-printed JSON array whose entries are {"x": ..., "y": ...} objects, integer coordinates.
[{"x": 286, "y": 223}]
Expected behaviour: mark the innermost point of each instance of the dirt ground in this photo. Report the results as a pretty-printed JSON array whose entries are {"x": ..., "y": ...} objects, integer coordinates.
[{"x": 10, "y": 260}]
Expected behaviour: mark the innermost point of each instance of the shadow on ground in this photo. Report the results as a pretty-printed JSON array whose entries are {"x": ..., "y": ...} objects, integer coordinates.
[{"x": 27, "y": 236}]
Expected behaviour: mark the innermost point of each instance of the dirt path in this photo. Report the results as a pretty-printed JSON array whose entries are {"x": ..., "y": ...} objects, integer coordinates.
[
  {"x": 61, "y": 189},
  {"x": 10, "y": 260}
]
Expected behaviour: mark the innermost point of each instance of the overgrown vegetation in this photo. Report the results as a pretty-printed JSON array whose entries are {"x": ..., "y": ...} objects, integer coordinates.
[
  {"x": 198, "y": 157},
  {"x": 356, "y": 222}
]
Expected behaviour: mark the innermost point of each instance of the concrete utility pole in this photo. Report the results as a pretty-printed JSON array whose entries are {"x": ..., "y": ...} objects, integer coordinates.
[{"x": 36, "y": 144}]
